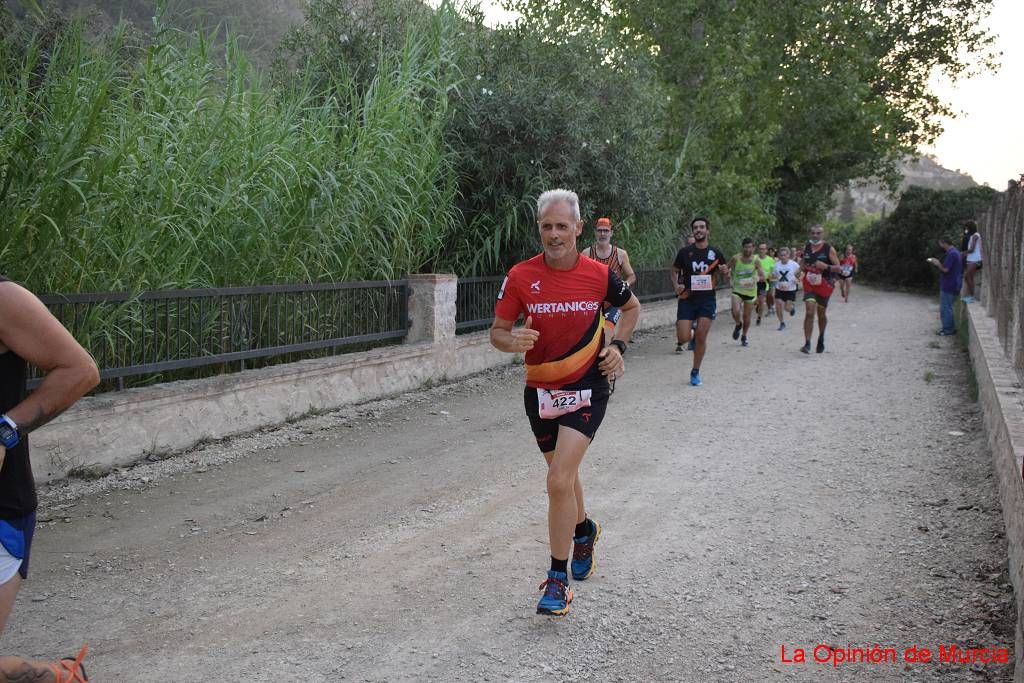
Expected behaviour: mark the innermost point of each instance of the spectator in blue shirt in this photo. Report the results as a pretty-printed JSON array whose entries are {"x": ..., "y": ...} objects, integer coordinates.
[{"x": 949, "y": 284}]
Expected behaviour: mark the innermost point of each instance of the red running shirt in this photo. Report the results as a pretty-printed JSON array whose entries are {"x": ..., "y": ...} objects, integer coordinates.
[{"x": 566, "y": 308}]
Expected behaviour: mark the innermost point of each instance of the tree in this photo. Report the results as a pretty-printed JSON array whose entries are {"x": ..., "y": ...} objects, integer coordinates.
[
  {"x": 894, "y": 249},
  {"x": 795, "y": 97}
]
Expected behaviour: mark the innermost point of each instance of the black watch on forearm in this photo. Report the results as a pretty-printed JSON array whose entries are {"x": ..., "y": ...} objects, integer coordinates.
[{"x": 620, "y": 345}]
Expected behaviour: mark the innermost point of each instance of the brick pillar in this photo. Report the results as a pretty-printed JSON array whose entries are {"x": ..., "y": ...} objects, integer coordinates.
[{"x": 432, "y": 308}]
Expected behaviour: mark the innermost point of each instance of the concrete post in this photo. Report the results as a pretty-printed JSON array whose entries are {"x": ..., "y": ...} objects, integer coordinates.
[{"x": 432, "y": 308}]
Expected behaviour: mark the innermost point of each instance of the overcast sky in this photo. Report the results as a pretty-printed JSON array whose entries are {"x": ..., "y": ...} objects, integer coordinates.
[{"x": 987, "y": 138}]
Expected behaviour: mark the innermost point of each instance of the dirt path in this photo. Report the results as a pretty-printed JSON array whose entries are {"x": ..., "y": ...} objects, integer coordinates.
[{"x": 406, "y": 542}]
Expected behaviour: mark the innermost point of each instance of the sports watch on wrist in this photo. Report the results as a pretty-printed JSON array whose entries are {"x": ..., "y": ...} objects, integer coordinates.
[
  {"x": 9, "y": 435},
  {"x": 620, "y": 345}
]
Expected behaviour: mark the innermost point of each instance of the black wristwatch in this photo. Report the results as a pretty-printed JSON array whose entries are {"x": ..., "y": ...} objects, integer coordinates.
[
  {"x": 9, "y": 436},
  {"x": 620, "y": 345}
]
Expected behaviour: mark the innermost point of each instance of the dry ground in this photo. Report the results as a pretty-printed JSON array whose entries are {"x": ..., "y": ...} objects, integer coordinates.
[{"x": 404, "y": 540}]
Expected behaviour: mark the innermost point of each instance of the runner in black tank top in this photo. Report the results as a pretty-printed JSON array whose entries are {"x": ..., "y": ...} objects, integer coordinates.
[
  {"x": 617, "y": 261},
  {"x": 29, "y": 333},
  {"x": 612, "y": 260},
  {"x": 17, "y": 487},
  {"x": 819, "y": 264}
]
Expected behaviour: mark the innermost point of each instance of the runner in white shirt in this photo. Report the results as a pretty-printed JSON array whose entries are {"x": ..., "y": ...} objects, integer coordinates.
[{"x": 785, "y": 274}]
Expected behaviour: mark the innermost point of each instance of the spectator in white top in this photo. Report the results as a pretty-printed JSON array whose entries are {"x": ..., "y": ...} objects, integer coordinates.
[{"x": 973, "y": 260}]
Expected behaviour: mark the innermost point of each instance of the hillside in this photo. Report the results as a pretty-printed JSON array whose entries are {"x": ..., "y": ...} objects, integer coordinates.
[
  {"x": 261, "y": 23},
  {"x": 867, "y": 197}
]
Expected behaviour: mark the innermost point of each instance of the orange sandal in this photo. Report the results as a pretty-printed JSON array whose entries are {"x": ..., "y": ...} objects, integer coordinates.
[{"x": 71, "y": 670}]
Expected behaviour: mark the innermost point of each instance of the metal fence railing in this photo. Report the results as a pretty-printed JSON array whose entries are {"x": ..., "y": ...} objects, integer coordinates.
[
  {"x": 474, "y": 302},
  {"x": 653, "y": 284},
  {"x": 173, "y": 334},
  {"x": 1002, "y": 246},
  {"x": 170, "y": 330}
]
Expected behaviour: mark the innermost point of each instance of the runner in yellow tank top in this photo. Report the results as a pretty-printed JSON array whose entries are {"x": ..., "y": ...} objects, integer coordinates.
[{"x": 746, "y": 272}]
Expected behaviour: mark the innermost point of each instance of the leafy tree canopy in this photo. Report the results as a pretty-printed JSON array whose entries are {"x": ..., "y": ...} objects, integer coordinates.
[{"x": 797, "y": 97}]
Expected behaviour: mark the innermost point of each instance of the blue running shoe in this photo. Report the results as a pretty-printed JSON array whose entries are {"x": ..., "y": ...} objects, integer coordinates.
[
  {"x": 695, "y": 377},
  {"x": 743, "y": 341},
  {"x": 691, "y": 345},
  {"x": 583, "y": 562},
  {"x": 557, "y": 595},
  {"x": 782, "y": 326}
]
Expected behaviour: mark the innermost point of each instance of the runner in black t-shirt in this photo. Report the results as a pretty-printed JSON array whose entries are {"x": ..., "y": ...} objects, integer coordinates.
[
  {"x": 30, "y": 334},
  {"x": 693, "y": 276}
]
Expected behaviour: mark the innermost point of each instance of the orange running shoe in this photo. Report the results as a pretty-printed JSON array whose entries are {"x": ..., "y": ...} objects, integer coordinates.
[{"x": 71, "y": 670}]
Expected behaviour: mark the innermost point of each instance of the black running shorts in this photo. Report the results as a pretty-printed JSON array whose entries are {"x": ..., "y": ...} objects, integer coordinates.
[
  {"x": 785, "y": 296},
  {"x": 691, "y": 309},
  {"x": 585, "y": 420},
  {"x": 816, "y": 298}
]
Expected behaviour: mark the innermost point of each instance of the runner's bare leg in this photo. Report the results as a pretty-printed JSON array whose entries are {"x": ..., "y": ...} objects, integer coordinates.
[{"x": 564, "y": 506}]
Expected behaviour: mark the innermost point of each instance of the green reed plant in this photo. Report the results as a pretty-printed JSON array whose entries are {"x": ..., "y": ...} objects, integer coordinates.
[{"x": 172, "y": 164}]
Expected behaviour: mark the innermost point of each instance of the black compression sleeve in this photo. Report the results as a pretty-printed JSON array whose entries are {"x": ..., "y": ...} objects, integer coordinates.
[{"x": 618, "y": 293}]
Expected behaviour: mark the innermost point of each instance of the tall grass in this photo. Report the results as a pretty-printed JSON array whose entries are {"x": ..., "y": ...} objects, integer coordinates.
[{"x": 172, "y": 164}]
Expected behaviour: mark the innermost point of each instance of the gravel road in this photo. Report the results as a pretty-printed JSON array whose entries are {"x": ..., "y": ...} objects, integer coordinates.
[{"x": 404, "y": 540}]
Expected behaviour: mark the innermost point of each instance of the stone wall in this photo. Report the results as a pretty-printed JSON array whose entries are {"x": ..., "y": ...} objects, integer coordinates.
[
  {"x": 1002, "y": 290},
  {"x": 996, "y": 344},
  {"x": 1002, "y": 402}
]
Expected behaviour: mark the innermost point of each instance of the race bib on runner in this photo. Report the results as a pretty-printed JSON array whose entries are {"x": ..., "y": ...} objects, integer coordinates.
[
  {"x": 700, "y": 283},
  {"x": 747, "y": 283},
  {"x": 556, "y": 403},
  {"x": 814, "y": 278},
  {"x": 847, "y": 271}
]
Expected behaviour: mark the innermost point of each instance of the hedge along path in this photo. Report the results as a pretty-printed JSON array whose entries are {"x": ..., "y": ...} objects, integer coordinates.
[{"x": 405, "y": 542}]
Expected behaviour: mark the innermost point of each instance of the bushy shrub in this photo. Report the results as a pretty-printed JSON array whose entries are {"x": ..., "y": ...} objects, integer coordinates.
[{"x": 893, "y": 250}]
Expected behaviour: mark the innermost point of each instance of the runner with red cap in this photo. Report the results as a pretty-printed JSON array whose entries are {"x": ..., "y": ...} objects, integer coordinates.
[{"x": 617, "y": 260}]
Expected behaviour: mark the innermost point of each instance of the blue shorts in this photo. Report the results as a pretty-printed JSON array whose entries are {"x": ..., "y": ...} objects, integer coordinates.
[
  {"x": 688, "y": 309},
  {"x": 16, "y": 540}
]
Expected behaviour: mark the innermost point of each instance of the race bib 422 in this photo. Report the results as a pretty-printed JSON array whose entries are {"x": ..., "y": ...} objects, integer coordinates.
[{"x": 555, "y": 403}]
